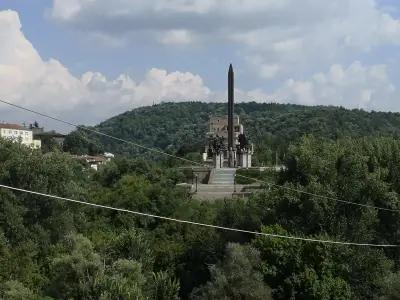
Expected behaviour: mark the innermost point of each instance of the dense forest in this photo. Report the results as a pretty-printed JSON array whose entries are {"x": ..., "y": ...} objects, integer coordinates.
[
  {"x": 180, "y": 128},
  {"x": 52, "y": 249}
]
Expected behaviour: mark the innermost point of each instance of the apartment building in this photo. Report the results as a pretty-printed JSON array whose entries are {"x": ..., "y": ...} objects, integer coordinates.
[{"x": 18, "y": 133}]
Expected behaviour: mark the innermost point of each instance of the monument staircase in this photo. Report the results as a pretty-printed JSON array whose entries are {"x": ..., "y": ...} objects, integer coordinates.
[
  {"x": 223, "y": 176},
  {"x": 221, "y": 185}
]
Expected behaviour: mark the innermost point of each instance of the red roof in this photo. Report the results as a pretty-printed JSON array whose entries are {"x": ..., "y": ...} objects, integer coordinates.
[{"x": 12, "y": 126}]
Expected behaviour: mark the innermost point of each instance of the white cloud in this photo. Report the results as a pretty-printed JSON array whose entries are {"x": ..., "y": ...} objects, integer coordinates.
[
  {"x": 48, "y": 86},
  {"x": 356, "y": 86},
  {"x": 27, "y": 79},
  {"x": 177, "y": 37},
  {"x": 283, "y": 35},
  {"x": 269, "y": 70}
]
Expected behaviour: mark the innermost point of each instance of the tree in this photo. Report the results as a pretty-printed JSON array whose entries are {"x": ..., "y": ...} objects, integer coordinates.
[
  {"x": 300, "y": 270},
  {"x": 124, "y": 280},
  {"x": 131, "y": 245},
  {"x": 392, "y": 287},
  {"x": 75, "y": 270},
  {"x": 164, "y": 287},
  {"x": 15, "y": 290},
  {"x": 235, "y": 277}
]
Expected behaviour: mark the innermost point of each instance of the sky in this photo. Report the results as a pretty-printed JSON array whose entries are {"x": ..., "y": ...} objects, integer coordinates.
[{"x": 88, "y": 60}]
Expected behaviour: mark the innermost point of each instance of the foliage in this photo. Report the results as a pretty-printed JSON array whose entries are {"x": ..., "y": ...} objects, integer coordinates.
[
  {"x": 235, "y": 277},
  {"x": 392, "y": 287},
  {"x": 75, "y": 273},
  {"x": 301, "y": 270},
  {"x": 164, "y": 286},
  {"x": 15, "y": 290},
  {"x": 180, "y": 128},
  {"x": 52, "y": 248}
]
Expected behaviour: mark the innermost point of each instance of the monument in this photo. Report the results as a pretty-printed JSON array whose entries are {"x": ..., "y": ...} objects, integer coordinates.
[
  {"x": 231, "y": 96},
  {"x": 228, "y": 146}
]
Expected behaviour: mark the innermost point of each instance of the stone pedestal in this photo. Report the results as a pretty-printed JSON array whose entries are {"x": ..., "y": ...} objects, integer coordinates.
[
  {"x": 218, "y": 160},
  {"x": 204, "y": 156},
  {"x": 231, "y": 158},
  {"x": 245, "y": 160}
]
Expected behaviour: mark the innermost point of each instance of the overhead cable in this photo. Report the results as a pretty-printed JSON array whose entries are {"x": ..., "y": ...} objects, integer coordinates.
[
  {"x": 271, "y": 235},
  {"x": 194, "y": 162}
]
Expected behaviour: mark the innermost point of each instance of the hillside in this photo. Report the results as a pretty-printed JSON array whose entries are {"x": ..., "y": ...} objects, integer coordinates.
[{"x": 181, "y": 127}]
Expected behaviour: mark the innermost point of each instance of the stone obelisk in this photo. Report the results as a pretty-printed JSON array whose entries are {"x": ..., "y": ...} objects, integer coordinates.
[{"x": 231, "y": 154}]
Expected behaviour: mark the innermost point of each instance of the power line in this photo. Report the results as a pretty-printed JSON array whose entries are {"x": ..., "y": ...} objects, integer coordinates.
[
  {"x": 200, "y": 224},
  {"x": 98, "y": 132},
  {"x": 319, "y": 196},
  {"x": 194, "y": 162}
]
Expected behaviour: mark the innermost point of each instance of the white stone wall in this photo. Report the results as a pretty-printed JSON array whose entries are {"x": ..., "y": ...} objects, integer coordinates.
[{"x": 23, "y": 136}]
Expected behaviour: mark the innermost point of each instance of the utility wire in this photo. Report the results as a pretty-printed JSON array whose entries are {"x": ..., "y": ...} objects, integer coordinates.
[
  {"x": 319, "y": 196},
  {"x": 98, "y": 132},
  {"x": 194, "y": 162},
  {"x": 200, "y": 224}
]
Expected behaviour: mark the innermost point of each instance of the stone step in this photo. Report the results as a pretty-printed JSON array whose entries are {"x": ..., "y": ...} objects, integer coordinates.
[
  {"x": 224, "y": 176},
  {"x": 225, "y": 173},
  {"x": 219, "y": 181},
  {"x": 222, "y": 171}
]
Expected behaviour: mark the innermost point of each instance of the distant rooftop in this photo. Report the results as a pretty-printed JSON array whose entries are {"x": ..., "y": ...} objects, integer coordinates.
[{"x": 12, "y": 126}]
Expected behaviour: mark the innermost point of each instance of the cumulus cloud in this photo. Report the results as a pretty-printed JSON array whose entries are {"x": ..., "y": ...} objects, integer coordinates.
[
  {"x": 355, "y": 86},
  {"x": 177, "y": 37},
  {"x": 277, "y": 36},
  {"x": 27, "y": 79},
  {"x": 48, "y": 86}
]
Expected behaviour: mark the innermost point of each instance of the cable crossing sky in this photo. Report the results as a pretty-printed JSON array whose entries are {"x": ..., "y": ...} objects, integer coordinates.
[
  {"x": 194, "y": 162},
  {"x": 271, "y": 235}
]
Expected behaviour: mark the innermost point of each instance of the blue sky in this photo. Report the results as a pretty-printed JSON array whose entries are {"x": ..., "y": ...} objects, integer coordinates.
[
  {"x": 79, "y": 54},
  {"x": 90, "y": 59}
]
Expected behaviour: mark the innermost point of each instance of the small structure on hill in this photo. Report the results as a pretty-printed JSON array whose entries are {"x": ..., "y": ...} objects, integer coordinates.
[
  {"x": 94, "y": 161},
  {"x": 227, "y": 144}
]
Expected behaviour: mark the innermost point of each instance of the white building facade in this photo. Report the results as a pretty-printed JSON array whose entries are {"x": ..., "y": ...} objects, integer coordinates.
[{"x": 18, "y": 133}]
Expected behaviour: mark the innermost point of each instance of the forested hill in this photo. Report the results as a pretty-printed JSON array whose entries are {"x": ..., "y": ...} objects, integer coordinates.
[{"x": 181, "y": 127}]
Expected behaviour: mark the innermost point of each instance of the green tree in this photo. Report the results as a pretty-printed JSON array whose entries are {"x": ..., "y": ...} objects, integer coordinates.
[
  {"x": 15, "y": 290},
  {"x": 124, "y": 280},
  {"x": 164, "y": 287},
  {"x": 300, "y": 270},
  {"x": 76, "y": 270},
  {"x": 235, "y": 277},
  {"x": 392, "y": 287},
  {"x": 131, "y": 245}
]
